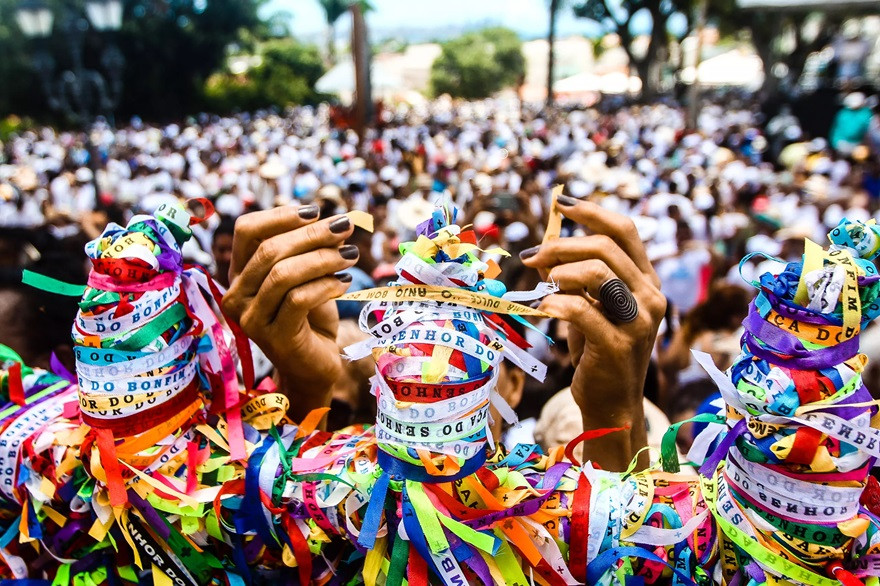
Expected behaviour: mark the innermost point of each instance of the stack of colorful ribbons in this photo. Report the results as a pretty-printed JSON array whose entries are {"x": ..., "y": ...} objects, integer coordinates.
[
  {"x": 169, "y": 468},
  {"x": 786, "y": 481}
]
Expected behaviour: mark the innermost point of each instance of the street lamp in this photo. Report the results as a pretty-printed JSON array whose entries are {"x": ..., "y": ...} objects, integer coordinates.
[
  {"x": 106, "y": 15},
  {"x": 34, "y": 18}
]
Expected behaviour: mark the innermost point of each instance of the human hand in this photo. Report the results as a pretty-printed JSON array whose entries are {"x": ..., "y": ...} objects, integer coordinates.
[
  {"x": 610, "y": 359},
  {"x": 284, "y": 277}
]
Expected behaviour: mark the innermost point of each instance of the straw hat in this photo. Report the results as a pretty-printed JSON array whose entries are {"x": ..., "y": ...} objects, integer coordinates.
[
  {"x": 816, "y": 187},
  {"x": 25, "y": 178},
  {"x": 273, "y": 168},
  {"x": 413, "y": 211},
  {"x": 330, "y": 192}
]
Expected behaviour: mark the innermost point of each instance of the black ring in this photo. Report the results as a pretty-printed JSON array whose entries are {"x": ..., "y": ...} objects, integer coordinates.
[{"x": 618, "y": 301}]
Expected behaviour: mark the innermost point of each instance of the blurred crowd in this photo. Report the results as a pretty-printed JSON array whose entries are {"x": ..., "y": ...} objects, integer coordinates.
[{"x": 737, "y": 184}]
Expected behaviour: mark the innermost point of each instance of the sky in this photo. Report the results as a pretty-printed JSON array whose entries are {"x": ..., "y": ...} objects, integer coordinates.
[{"x": 430, "y": 18}]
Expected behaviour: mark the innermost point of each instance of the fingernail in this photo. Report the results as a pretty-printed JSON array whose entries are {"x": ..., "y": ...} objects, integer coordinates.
[
  {"x": 535, "y": 304},
  {"x": 340, "y": 225},
  {"x": 349, "y": 252},
  {"x": 343, "y": 277},
  {"x": 309, "y": 212},
  {"x": 566, "y": 201},
  {"x": 529, "y": 252}
]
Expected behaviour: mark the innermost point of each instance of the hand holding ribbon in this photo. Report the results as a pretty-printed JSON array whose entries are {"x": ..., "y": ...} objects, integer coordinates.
[
  {"x": 610, "y": 359},
  {"x": 284, "y": 276}
]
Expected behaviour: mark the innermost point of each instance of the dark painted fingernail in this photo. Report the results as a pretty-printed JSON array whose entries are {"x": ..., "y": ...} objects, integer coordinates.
[
  {"x": 340, "y": 225},
  {"x": 309, "y": 212},
  {"x": 564, "y": 200},
  {"x": 349, "y": 252},
  {"x": 344, "y": 277},
  {"x": 529, "y": 252},
  {"x": 535, "y": 304}
]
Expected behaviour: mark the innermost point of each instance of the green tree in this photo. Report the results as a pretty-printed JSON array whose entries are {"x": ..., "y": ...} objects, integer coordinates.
[
  {"x": 172, "y": 46},
  {"x": 617, "y": 17},
  {"x": 285, "y": 75},
  {"x": 476, "y": 65}
]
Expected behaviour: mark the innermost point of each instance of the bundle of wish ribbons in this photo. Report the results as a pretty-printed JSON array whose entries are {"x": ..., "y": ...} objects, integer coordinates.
[{"x": 157, "y": 461}]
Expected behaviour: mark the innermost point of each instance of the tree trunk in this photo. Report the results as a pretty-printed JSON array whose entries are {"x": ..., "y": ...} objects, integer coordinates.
[
  {"x": 648, "y": 66},
  {"x": 643, "y": 70},
  {"x": 551, "y": 40},
  {"x": 764, "y": 49},
  {"x": 763, "y": 28},
  {"x": 331, "y": 45},
  {"x": 655, "y": 55}
]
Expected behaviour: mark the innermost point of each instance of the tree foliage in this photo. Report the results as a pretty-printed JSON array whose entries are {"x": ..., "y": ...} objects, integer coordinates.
[
  {"x": 766, "y": 29},
  {"x": 170, "y": 49},
  {"x": 285, "y": 76},
  {"x": 617, "y": 17},
  {"x": 478, "y": 64}
]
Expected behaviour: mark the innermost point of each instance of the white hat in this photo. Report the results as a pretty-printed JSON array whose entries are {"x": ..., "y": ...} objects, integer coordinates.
[
  {"x": 763, "y": 243},
  {"x": 817, "y": 144},
  {"x": 387, "y": 173},
  {"x": 854, "y": 101},
  {"x": 646, "y": 226},
  {"x": 229, "y": 205},
  {"x": 483, "y": 220},
  {"x": 483, "y": 183},
  {"x": 516, "y": 231},
  {"x": 83, "y": 175},
  {"x": 816, "y": 187}
]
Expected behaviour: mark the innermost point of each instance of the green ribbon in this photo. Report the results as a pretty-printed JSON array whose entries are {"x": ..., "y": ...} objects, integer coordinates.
[
  {"x": 44, "y": 283},
  {"x": 668, "y": 453},
  {"x": 155, "y": 328},
  {"x": 399, "y": 558}
]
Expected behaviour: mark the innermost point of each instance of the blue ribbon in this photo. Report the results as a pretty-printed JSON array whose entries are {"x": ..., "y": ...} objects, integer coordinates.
[
  {"x": 597, "y": 568},
  {"x": 373, "y": 516},
  {"x": 251, "y": 511}
]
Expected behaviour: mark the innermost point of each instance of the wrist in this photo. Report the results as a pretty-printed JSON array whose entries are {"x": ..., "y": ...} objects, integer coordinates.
[{"x": 305, "y": 394}]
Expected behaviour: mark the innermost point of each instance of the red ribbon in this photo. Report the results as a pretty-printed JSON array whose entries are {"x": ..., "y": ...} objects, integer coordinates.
[
  {"x": 588, "y": 435},
  {"x": 115, "y": 484},
  {"x": 16, "y": 389}
]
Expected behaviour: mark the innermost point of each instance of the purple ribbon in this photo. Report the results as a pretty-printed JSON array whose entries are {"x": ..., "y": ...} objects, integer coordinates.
[
  {"x": 150, "y": 515},
  {"x": 844, "y": 411},
  {"x": 805, "y": 360},
  {"x": 61, "y": 370},
  {"x": 783, "y": 342},
  {"x": 711, "y": 463},
  {"x": 798, "y": 313},
  {"x": 470, "y": 557}
]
